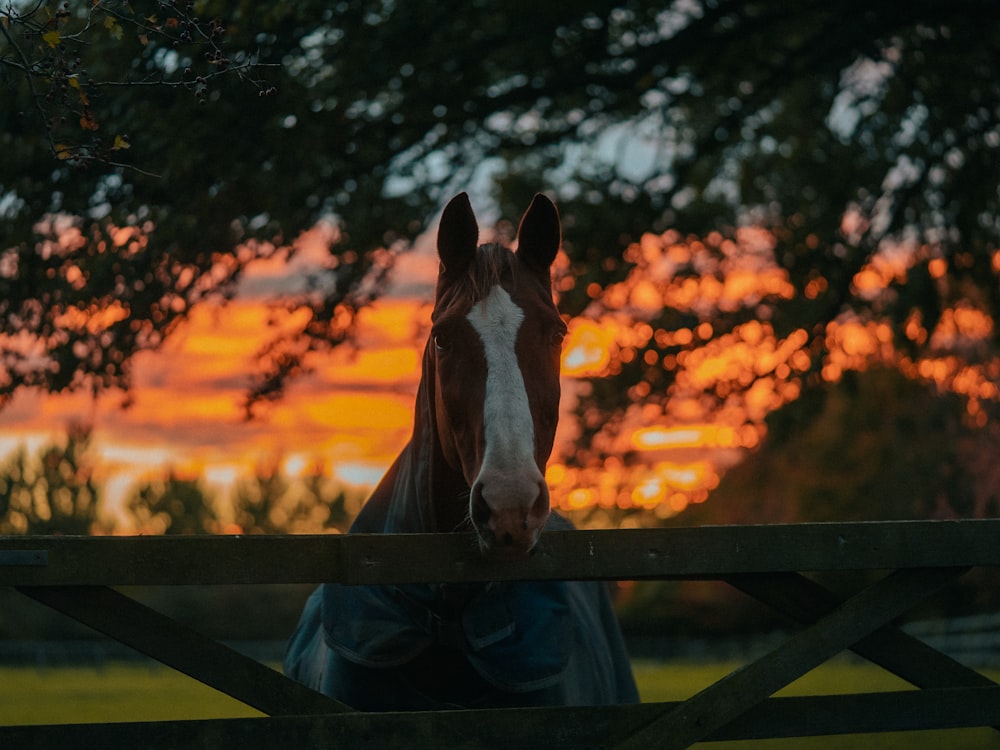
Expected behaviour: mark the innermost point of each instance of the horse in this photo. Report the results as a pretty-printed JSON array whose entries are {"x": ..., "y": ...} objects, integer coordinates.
[{"x": 484, "y": 424}]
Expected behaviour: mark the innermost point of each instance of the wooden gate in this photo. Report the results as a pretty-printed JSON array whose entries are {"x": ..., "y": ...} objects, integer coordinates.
[{"x": 75, "y": 574}]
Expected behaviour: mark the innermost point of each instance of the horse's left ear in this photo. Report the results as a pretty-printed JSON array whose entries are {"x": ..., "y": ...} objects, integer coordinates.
[{"x": 539, "y": 235}]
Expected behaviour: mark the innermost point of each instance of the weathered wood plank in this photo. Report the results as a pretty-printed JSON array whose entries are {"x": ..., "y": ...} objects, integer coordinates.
[
  {"x": 892, "y": 649},
  {"x": 907, "y": 657},
  {"x": 555, "y": 728},
  {"x": 738, "y": 692},
  {"x": 684, "y": 553},
  {"x": 184, "y": 649},
  {"x": 53, "y": 568}
]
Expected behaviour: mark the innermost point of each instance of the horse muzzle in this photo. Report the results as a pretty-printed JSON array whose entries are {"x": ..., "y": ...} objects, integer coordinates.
[{"x": 508, "y": 516}]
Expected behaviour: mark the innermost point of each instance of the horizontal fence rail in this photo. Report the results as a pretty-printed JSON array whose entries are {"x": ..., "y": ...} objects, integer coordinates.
[
  {"x": 74, "y": 575},
  {"x": 550, "y": 728},
  {"x": 711, "y": 552}
]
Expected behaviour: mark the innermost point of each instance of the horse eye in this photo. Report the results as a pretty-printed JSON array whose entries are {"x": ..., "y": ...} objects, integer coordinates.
[
  {"x": 441, "y": 343},
  {"x": 558, "y": 337}
]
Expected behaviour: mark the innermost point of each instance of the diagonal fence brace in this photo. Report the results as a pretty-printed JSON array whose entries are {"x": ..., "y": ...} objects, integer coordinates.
[
  {"x": 900, "y": 653},
  {"x": 168, "y": 641},
  {"x": 906, "y": 656},
  {"x": 714, "y": 707}
]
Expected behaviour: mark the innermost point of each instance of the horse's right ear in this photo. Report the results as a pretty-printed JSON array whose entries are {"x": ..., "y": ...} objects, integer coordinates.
[{"x": 458, "y": 236}]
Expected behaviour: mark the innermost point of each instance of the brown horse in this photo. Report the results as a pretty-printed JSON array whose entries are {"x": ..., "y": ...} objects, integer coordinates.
[{"x": 485, "y": 420}]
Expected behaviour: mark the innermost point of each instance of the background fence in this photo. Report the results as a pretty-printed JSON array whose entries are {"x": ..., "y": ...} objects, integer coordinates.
[{"x": 914, "y": 560}]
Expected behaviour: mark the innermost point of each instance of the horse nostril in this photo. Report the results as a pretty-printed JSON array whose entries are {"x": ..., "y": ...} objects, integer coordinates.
[
  {"x": 478, "y": 509},
  {"x": 540, "y": 508},
  {"x": 508, "y": 540}
]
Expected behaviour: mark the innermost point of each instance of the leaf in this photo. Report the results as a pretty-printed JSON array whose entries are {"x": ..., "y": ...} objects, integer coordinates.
[
  {"x": 114, "y": 28},
  {"x": 121, "y": 143},
  {"x": 74, "y": 82},
  {"x": 63, "y": 151},
  {"x": 52, "y": 38},
  {"x": 88, "y": 121}
]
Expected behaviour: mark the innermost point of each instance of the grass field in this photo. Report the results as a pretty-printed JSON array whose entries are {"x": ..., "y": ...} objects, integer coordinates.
[
  {"x": 136, "y": 692},
  {"x": 677, "y": 681}
]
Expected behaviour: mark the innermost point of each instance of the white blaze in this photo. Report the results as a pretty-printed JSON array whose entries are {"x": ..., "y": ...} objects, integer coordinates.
[{"x": 510, "y": 433}]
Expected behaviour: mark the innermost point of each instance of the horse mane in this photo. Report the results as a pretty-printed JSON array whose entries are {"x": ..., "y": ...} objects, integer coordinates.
[{"x": 492, "y": 264}]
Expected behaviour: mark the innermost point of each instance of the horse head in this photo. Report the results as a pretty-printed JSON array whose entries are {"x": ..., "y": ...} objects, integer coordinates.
[{"x": 495, "y": 346}]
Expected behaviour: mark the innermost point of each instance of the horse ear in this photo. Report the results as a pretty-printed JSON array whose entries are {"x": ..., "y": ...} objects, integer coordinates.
[
  {"x": 539, "y": 235},
  {"x": 458, "y": 236}
]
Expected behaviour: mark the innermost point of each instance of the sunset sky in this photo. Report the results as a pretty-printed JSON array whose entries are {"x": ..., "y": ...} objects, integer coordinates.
[{"x": 353, "y": 413}]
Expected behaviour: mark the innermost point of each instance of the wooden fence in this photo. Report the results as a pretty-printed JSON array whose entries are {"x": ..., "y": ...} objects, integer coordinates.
[{"x": 75, "y": 575}]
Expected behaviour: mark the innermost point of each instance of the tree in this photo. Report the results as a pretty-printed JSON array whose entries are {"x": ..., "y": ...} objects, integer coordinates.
[
  {"x": 272, "y": 503},
  {"x": 863, "y": 138},
  {"x": 148, "y": 157},
  {"x": 875, "y": 446},
  {"x": 52, "y": 492},
  {"x": 176, "y": 505}
]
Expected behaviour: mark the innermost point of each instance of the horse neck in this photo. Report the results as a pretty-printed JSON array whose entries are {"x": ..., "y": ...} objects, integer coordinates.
[
  {"x": 421, "y": 492},
  {"x": 444, "y": 493}
]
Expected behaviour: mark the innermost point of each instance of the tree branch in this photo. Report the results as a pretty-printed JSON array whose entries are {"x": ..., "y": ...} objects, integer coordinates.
[{"x": 27, "y": 67}]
